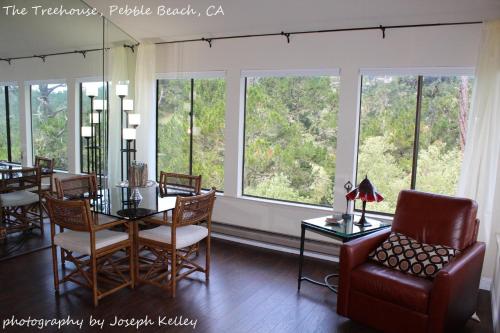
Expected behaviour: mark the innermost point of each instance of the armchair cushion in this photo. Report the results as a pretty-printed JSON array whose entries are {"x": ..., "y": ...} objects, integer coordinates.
[
  {"x": 79, "y": 241},
  {"x": 392, "y": 286},
  {"x": 407, "y": 255}
]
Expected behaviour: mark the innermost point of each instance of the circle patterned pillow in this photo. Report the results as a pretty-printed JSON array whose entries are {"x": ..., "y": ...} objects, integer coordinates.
[{"x": 409, "y": 256}]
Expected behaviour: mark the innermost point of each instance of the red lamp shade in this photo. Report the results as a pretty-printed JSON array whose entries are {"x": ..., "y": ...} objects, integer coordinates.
[{"x": 365, "y": 192}]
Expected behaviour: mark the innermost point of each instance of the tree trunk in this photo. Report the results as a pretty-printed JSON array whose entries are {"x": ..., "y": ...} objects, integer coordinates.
[{"x": 463, "y": 96}]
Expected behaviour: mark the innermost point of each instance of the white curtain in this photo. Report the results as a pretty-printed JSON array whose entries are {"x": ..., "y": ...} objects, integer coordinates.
[
  {"x": 480, "y": 168},
  {"x": 145, "y": 88}
]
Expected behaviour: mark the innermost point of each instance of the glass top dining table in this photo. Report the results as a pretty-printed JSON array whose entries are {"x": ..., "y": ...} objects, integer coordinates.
[
  {"x": 117, "y": 202},
  {"x": 9, "y": 166}
]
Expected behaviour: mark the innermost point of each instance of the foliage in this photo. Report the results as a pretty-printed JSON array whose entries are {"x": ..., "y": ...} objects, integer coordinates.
[
  {"x": 174, "y": 128},
  {"x": 290, "y": 133},
  {"x": 49, "y": 121},
  {"x": 14, "y": 124},
  {"x": 387, "y": 134},
  {"x": 291, "y": 138}
]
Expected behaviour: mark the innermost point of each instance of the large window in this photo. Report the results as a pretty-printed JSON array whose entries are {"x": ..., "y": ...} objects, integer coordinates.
[
  {"x": 10, "y": 145},
  {"x": 190, "y": 128},
  {"x": 291, "y": 137},
  {"x": 412, "y": 133},
  {"x": 49, "y": 122}
]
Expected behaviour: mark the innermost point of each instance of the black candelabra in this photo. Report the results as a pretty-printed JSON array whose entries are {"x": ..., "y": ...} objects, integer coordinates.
[{"x": 93, "y": 136}]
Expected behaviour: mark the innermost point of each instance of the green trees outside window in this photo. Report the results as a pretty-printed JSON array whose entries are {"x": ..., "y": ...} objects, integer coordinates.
[
  {"x": 9, "y": 108},
  {"x": 403, "y": 146},
  {"x": 291, "y": 138},
  {"x": 49, "y": 122},
  {"x": 190, "y": 128}
]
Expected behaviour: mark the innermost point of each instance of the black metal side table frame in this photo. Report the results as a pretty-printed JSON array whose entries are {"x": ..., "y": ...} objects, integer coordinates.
[{"x": 323, "y": 230}]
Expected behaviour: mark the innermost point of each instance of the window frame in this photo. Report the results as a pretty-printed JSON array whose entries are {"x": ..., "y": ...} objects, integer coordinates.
[
  {"x": 276, "y": 73},
  {"x": 420, "y": 73},
  {"x": 191, "y": 76},
  {"x": 8, "y": 132}
]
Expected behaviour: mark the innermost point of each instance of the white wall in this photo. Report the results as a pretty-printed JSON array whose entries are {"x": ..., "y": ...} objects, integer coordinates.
[
  {"x": 67, "y": 68},
  {"x": 451, "y": 46}
]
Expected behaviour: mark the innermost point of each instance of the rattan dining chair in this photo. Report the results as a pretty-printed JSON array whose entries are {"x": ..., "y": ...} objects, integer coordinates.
[
  {"x": 77, "y": 187},
  {"x": 94, "y": 250},
  {"x": 20, "y": 204},
  {"x": 176, "y": 182},
  {"x": 172, "y": 184},
  {"x": 167, "y": 253},
  {"x": 46, "y": 166}
]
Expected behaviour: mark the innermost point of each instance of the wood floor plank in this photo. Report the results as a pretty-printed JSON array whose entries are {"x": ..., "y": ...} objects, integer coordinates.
[{"x": 250, "y": 290}]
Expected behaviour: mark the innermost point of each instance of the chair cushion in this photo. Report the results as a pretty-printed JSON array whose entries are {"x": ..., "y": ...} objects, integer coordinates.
[
  {"x": 185, "y": 236},
  {"x": 18, "y": 198},
  {"x": 405, "y": 254},
  {"x": 392, "y": 286},
  {"x": 79, "y": 241}
]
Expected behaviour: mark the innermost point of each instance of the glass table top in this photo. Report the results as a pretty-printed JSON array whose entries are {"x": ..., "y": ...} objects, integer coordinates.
[
  {"x": 120, "y": 203},
  {"x": 8, "y": 166},
  {"x": 344, "y": 229}
]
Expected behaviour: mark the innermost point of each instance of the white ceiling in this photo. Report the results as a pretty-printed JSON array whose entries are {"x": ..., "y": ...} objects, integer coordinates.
[
  {"x": 35, "y": 34},
  {"x": 261, "y": 16},
  {"x": 30, "y": 35}
]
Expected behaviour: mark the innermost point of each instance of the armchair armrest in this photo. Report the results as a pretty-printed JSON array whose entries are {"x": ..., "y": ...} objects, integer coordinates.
[
  {"x": 456, "y": 286},
  {"x": 353, "y": 254}
]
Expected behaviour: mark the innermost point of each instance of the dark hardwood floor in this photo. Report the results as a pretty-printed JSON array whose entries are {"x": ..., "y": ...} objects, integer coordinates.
[
  {"x": 250, "y": 290},
  {"x": 23, "y": 242}
]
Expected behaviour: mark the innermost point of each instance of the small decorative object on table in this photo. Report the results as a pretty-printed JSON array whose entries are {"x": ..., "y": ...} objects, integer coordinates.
[
  {"x": 366, "y": 192},
  {"x": 138, "y": 177},
  {"x": 336, "y": 218},
  {"x": 347, "y": 216},
  {"x": 138, "y": 174}
]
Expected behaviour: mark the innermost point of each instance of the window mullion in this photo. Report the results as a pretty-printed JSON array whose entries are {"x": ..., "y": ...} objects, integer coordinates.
[
  {"x": 417, "y": 132},
  {"x": 191, "y": 115},
  {"x": 7, "y": 123}
]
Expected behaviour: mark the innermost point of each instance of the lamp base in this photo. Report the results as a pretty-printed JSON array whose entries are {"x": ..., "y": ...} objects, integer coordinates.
[
  {"x": 362, "y": 224},
  {"x": 362, "y": 221}
]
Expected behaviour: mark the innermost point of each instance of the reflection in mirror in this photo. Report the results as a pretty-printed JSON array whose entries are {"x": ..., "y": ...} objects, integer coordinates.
[{"x": 49, "y": 69}]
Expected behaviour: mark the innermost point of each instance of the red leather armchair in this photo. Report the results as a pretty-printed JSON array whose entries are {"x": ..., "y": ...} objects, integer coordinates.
[{"x": 394, "y": 302}]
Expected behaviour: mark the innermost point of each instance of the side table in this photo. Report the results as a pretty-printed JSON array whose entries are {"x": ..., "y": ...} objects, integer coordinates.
[{"x": 343, "y": 230}]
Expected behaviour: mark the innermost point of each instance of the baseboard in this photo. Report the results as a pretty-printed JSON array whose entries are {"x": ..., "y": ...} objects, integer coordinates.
[
  {"x": 494, "y": 309},
  {"x": 276, "y": 239},
  {"x": 289, "y": 244},
  {"x": 274, "y": 247},
  {"x": 485, "y": 284}
]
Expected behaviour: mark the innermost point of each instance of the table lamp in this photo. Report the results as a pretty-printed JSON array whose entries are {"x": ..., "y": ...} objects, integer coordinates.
[{"x": 366, "y": 192}]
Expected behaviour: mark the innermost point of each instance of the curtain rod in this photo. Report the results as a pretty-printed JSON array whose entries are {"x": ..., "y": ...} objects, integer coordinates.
[
  {"x": 288, "y": 34},
  {"x": 82, "y": 52}
]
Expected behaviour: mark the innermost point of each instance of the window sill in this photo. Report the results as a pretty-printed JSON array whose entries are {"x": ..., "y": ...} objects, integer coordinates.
[{"x": 285, "y": 203}]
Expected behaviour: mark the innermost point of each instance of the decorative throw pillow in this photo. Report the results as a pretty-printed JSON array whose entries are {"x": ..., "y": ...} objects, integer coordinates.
[{"x": 407, "y": 255}]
